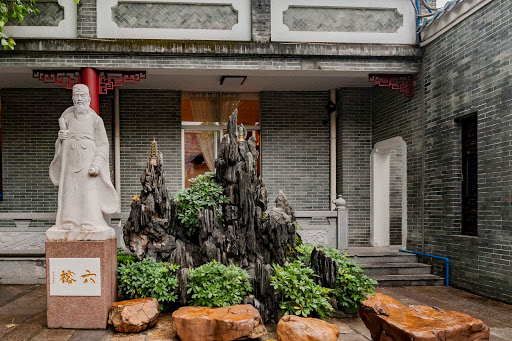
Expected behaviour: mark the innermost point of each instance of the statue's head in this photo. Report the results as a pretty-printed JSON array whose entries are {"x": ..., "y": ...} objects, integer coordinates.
[{"x": 81, "y": 95}]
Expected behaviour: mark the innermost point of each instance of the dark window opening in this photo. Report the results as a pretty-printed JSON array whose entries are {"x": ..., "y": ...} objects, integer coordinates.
[{"x": 469, "y": 176}]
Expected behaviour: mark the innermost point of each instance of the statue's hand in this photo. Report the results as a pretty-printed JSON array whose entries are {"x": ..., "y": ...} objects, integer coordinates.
[
  {"x": 94, "y": 170},
  {"x": 63, "y": 135}
]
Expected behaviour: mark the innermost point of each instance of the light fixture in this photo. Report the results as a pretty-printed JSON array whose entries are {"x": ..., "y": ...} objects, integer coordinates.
[{"x": 232, "y": 80}]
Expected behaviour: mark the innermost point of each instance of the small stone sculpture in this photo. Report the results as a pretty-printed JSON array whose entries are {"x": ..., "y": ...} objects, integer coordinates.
[{"x": 80, "y": 168}]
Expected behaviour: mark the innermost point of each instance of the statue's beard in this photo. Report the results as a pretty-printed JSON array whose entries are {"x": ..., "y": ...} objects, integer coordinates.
[{"x": 80, "y": 111}]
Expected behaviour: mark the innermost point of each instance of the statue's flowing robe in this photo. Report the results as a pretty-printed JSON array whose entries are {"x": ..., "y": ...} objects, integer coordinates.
[{"x": 84, "y": 197}]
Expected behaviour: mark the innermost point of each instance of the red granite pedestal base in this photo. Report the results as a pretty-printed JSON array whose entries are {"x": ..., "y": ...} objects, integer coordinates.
[{"x": 81, "y": 312}]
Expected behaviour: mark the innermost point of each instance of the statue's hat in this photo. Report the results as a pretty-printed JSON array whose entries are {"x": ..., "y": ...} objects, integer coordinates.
[{"x": 81, "y": 87}]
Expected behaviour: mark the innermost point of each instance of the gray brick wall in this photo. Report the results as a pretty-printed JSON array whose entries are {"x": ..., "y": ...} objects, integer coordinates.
[
  {"x": 395, "y": 115},
  {"x": 468, "y": 70},
  {"x": 260, "y": 13},
  {"x": 87, "y": 22},
  {"x": 145, "y": 114},
  {"x": 353, "y": 159},
  {"x": 295, "y": 147},
  {"x": 395, "y": 196}
]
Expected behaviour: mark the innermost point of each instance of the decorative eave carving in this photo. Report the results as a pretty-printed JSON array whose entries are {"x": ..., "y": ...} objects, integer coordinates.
[{"x": 403, "y": 83}]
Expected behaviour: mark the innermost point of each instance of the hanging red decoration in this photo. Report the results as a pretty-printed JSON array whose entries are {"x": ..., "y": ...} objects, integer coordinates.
[
  {"x": 403, "y": 83},
  {"x": 111, "y": 80},
  {"x": 63, "y": 78}
]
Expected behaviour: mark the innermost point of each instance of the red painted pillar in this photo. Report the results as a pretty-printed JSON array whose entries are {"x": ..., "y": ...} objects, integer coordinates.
[{"x": 90, "y": 78}]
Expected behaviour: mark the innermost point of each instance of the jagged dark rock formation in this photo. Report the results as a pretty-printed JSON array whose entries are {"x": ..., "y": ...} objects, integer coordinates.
[
  {"x": 244, "y": 236},
  {"x": 325, "y": 267},
  {"x": 147, "y": 230}
]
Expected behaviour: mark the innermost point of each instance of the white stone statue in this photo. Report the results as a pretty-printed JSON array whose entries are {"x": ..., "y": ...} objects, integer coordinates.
[{"x": 81, "y": 170}]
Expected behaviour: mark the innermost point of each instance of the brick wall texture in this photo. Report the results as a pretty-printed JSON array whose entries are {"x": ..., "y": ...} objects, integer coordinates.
[
  {"x": 145, "y": 114},
  {"x": 260, "y": 13},
  {"x": 469, "y": 70},
  {"x": 295, "y": 147},
  {"x": 86, "y": 19},
  {"x": 395, "y": 196},
  {"x": 353, "y": 159}
]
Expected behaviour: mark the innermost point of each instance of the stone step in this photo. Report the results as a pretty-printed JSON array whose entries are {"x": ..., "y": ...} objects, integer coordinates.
[
  {"x": 397, "y": 257},
  {"x": 408, "y": 280},
  {"x": 396, "y": 269}
]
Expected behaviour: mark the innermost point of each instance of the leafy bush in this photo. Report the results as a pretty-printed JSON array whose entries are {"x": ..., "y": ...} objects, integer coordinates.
[
  {"x": 203, "y": 192},
  {"x": 217, "y": 285},
  {"x": 352, "y": 284},
  {"x": 149, "y": 278},
  {"x": 124, "y": 258},
  {"x": 300, "y": 295}
]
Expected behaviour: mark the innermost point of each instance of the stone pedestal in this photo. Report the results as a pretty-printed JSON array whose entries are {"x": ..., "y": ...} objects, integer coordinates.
[{"x": 67, "y": 278}]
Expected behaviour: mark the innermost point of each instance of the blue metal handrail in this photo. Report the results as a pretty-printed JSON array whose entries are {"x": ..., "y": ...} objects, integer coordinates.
[{"x": 428, "y": 255}]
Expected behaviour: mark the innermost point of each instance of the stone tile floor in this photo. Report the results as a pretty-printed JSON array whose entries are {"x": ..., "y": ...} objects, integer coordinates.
[{"x": 23, "y": 316}]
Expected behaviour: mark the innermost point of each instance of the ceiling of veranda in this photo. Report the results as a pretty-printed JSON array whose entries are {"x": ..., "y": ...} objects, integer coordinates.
[{"x": 209, "y": 80}]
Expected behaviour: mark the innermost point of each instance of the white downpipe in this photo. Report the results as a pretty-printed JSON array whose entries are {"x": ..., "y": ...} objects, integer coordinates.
[
  {"x": 333, "y": 115},
  {"x": 117, "y": 147}
]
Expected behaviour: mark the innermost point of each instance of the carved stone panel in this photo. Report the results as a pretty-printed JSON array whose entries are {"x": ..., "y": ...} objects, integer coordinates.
[
  {"x": 317, "y": 227},
  {"x": 343, "y": 21},
  {"x": 22, "y": 242},
  {"x": 56, "y": 19},
  {"x": 50, "y": 14},
  {"x": 178, "y": 16},
  {"x": 175, "y": 19}
]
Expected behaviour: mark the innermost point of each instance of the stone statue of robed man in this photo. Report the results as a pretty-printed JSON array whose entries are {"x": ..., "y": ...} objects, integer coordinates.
[{"x": 81, "y": 169}]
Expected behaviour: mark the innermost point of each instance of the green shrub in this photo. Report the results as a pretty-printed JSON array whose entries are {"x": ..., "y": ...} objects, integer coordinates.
[
  {"x": 217, "y": 285},
  {"x": 352, "y": 284},
  {"x": 300, "y": 295},
  {"x": 203, "y": 192},
  {"x": 124, "y": 258},
  {"x": 149, "y": 278}
]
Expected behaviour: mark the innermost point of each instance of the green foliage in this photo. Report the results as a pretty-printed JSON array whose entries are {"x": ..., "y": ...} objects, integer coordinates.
[
  {"x": 352, "y": 284},
  {"x": 300, "y": 295},
  {"x": 303, "y": 253},
  {"x": 203, "y": 192},
  {"x": 149, "y": 278},
  {"x": 124, "y": 258},
  {"x": 15, "y": 10},
  {"x": 217, "y": 285}
]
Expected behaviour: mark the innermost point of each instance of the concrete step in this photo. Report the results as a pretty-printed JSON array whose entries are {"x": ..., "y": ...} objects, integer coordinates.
[
  {"x": 408, "y": 280},
  {"x": 396, "y": 269},
  {"x": 396, "y": 257}
]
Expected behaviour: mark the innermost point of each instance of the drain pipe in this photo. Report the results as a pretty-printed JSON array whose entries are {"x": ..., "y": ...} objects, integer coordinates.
[
  {"x": 333, "y": 115},
  {"x": 117, "y": 147},
  {"x": 447, "y": 261}
]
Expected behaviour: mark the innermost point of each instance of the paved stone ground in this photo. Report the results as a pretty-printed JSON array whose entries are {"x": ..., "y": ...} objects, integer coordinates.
[{"x": 23, "y": 316}]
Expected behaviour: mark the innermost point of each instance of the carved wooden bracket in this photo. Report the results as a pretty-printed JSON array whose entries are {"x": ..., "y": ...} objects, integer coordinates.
[
  {"x": 116, "y": 79},
  {"x": 63, "y": 78},
  {"x": 106, "y": 80},
  {"x": 404, "y": 83}
]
